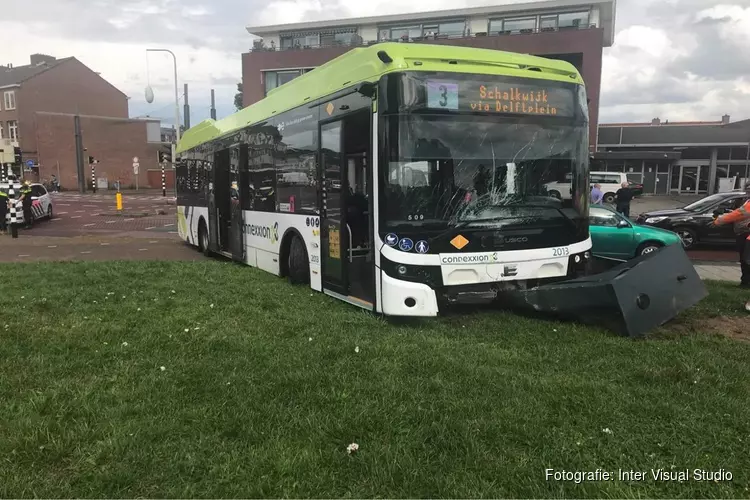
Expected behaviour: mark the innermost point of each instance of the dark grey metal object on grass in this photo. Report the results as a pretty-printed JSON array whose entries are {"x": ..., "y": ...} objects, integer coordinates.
[{"x": 631, "y": 298}]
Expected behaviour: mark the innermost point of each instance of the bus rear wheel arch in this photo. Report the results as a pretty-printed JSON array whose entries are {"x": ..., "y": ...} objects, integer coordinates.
[{"x": 294, "y": 262}]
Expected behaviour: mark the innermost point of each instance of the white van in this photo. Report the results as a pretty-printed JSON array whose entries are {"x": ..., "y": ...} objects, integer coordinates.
[{"x": 609, "y": 181}]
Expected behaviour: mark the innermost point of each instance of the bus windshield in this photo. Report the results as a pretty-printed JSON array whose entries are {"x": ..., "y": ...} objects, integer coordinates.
[{"x": 467, "y": 169}]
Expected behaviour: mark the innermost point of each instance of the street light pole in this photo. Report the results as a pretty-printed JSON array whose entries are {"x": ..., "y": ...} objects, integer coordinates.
[{"x": 176, "y": 96}]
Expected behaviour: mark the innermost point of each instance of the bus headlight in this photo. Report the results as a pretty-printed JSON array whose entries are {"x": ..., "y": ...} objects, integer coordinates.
[{"x": 402, "y": 270}]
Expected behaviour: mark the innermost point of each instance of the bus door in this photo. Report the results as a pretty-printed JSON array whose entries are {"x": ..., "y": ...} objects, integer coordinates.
[
  {"x": 237, "y": 183},
  {"x": 346, "y": 238}
]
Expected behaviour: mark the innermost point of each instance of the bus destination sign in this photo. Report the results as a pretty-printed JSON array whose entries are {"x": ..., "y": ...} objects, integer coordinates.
[{"x": 505, "y": 98}]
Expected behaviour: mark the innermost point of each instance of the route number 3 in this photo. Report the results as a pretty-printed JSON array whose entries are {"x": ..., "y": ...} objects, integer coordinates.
[{"x": 443, "y": 96}]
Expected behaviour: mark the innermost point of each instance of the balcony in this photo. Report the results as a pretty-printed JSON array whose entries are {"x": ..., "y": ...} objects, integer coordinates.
[{"x": 259, "y": 45}]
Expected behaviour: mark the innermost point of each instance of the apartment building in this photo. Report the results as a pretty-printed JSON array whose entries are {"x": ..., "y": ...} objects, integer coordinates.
[
  {"x": 572, "y": 30},
  {"x": 38, "y": 103}
]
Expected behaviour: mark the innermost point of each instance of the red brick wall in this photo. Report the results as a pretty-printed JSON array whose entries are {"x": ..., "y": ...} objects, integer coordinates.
[
  {"x": 588, "y": 42},
  {"x": 113, "y": 142},
  {"x": 70, "y": 87}
]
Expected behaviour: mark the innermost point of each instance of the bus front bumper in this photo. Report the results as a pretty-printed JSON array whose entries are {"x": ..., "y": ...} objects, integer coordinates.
[{"x": 631, "y": 298}]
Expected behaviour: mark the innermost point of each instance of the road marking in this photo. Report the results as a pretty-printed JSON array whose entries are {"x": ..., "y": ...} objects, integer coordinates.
[
  {"x": 24, "y": 255},
  {"x": 51, "y": 246},
  {"x": 64, "y": 204},
  {"x": 172, "y": 232},
  {"x": 168, "y": 225},
  {"x": 87, "y": 251},
  {"x": 153, "y": 241},
  {"x": 104, "y": 244},
  {"x": 75, "y": 216},
  {"x": 55, "y": 219},
  {"x": 111, "y": 221},
  {"x": 142, "y": 249},
  {"x": 128, "y": 220},
  {"x": 88, "y": 225},
  {"x": 150, "y": 228},
  {"x": 62, "y": 213},
  {"x": 91, "y": 206},
  {"x": 80, "y": 211}
]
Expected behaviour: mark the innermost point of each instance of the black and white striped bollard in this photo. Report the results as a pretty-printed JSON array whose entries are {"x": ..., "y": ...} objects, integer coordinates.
[
  {"x": 163, "y": 181},
  {"x": 93, "y": 178},
  {"x": 13, "y": 216}
]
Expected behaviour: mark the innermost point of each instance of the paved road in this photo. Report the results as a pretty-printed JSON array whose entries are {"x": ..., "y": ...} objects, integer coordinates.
[{"x": 87, "y": 227}]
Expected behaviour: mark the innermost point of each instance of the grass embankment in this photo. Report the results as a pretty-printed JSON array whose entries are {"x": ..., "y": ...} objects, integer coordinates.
[{"x": 209, "y": 379}]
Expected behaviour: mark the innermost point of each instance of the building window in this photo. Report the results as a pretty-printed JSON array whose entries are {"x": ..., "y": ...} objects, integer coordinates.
[
  {"x": 13, "y": 130},
  {"x": 9, "y": 98},
  {"x": 300, "y": 40},
  {"x": 574, "y": 20},
  {"x": 406, "y": 32},
  {"x": 548, "y": 23},
  {"x": 513, "y": 25},
  {"x": 275, "y": 79}
]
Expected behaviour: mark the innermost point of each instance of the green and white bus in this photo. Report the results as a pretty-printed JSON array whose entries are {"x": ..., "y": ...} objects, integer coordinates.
[{"x": 401, "y": 178}]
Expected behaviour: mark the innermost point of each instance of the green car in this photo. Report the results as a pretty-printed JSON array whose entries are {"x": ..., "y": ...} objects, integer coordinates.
[{"x": 614, "y": 236}]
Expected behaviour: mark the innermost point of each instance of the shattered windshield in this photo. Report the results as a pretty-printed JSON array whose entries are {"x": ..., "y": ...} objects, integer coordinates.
[{"x": 453, "y": 169}]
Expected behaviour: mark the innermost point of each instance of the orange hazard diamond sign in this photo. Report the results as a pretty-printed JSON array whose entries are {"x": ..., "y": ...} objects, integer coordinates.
[
  {"x": 329, "y": 109},
  {"x": 459, "y": 242}
]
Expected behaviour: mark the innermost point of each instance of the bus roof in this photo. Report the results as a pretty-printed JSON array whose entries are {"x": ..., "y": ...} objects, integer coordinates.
[{"x": 363, "y": 65}]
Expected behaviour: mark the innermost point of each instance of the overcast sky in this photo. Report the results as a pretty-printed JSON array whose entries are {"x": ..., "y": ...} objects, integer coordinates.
[{"x": 676, "y": 59}]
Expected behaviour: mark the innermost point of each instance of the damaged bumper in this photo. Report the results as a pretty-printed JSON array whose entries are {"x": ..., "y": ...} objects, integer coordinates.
[{"x": 631, "y": 298}]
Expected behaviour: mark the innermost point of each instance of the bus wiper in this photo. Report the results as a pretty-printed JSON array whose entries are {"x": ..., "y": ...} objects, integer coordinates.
[
  {"x": 455, "y": 227},
  {"x": 568, "y": 219}
]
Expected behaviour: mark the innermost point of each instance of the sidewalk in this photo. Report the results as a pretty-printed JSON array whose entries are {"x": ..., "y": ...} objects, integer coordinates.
[{"x": 720, "y": 272}]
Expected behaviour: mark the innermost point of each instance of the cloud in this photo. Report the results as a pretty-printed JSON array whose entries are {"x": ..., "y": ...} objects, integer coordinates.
[{"x": 673, "y": 58}]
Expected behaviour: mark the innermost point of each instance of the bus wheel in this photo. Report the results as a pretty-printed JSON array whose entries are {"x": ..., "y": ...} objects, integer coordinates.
[
  {"x": 299, "y": 267},
  {"x": 203, "y": 239}
]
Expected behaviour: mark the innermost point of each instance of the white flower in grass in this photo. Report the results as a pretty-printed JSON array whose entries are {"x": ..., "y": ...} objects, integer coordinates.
[
  {"x": 23, "y": 296},
  {"x": 163, "y": 368},
  {"x": 356, "y": 349},
  {"x": 309, "y": 339},
  {"x": 352, "y": 448},
  {"x": 607, "y": 430},
  {"x": 187, "y": 330},
  {"x": 211, "y": 306},
  {"x": 124, "y": 344},
  {"x": 139, "y": 308},
  {"x": 173, "y": 291}
]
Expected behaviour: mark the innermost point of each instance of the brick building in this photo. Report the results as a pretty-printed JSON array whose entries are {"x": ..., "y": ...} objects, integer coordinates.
[
  {"x": 38, "y": 102},
  {"x": 573, "y": 30}
]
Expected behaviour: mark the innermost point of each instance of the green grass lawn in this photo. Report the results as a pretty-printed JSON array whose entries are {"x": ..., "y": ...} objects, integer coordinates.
[{"x": 264, "y": 386}]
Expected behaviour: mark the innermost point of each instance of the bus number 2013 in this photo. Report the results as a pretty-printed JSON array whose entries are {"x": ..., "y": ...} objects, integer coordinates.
[{"x": 560, "y": 252}]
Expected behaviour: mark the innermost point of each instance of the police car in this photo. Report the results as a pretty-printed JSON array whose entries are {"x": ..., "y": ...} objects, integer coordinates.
[{"x": 41, "y": 202}]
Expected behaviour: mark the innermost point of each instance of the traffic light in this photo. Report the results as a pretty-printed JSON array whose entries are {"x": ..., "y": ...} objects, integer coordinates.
[
  {"x": 17, "y": 156},
  {"x": 92, "y": 160},
  {"x": 165, "y": 156}
]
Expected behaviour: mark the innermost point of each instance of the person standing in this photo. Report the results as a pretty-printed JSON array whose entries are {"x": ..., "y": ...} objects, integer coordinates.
[
  {"x": 740, "y": 218},
  {"x": 597, "y": 195},
  {"x": 4, "y": 206},
  {"x": 622, "y": 199}
]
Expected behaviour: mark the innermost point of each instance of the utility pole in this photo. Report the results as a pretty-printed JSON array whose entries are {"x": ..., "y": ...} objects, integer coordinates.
[
  {"x": 187, "y": 109},
  {"x": 79, "y": 154},
  {"x": 213, "y": 105}
]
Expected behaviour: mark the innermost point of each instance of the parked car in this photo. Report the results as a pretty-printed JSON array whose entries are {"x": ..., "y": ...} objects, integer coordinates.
[
  {"x": 694, "y": 222},
  {"x": 614, "y": 236},
  {"x": 41, "y": 202},
  {"x": 610, "y": 182}
]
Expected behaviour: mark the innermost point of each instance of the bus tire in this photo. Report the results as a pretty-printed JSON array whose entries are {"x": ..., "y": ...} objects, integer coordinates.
[
  {"x": 203, "y": 238},
  {"x": 299, "y": 265}
]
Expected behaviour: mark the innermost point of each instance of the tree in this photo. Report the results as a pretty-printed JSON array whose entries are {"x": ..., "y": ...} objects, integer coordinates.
[{"x": 238, "y": 97}]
